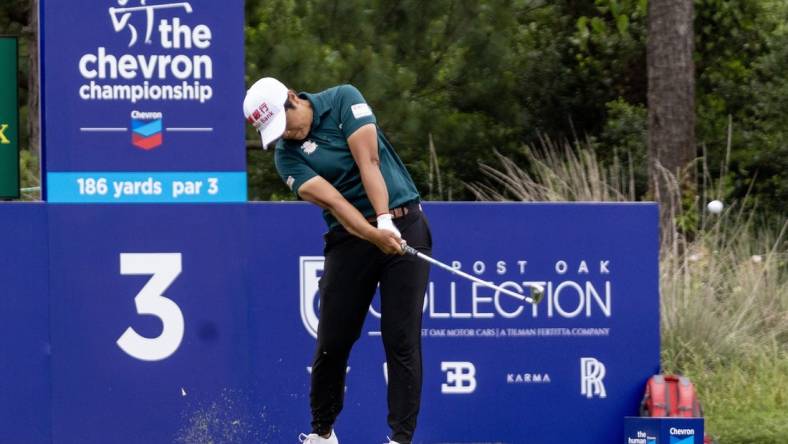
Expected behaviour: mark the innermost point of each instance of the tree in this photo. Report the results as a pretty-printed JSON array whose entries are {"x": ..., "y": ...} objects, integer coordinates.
[
  {"x": 475, "y": 76},
  {"x": 30, "y": 33},
  {"x": 671, "y": 102}
]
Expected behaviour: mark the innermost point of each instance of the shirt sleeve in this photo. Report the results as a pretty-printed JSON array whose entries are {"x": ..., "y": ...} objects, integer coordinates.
[
  {"x": 292, "y": 169},
  {"x": 353, "y": 110}
]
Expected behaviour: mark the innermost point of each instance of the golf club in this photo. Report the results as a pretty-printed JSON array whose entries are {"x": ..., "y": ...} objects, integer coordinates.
[{"x": 538, "y": 291}]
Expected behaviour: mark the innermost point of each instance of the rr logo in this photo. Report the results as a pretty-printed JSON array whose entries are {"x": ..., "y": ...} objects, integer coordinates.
[
  {"x": 311, "y": 270},
  {"x": 592, "y": 372},
  {"x": 460, "y": 378},
  {"x": 3, "y": 139}
]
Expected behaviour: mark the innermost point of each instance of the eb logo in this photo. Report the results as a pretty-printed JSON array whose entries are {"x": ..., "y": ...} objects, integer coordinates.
[{"x": 460, "y": 378}]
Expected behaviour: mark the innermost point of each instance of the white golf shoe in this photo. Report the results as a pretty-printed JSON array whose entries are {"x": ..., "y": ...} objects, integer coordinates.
[
  {"x": 390, "y": 441},
  {"x": 314, "y": 438}
]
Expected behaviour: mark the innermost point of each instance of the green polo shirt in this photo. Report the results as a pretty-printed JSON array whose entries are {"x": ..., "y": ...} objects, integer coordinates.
[{"x": 338, "y": 113}]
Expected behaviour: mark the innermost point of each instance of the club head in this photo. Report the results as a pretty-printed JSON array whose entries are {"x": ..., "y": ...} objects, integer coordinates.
[{"x": 537, "y": 294}]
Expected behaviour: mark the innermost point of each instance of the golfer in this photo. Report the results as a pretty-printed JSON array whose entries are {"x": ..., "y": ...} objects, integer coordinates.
[{"x": 330, "y": 151}]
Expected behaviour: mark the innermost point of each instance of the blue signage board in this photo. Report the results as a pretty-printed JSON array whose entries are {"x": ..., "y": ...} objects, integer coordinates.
[
  {"x": 661, "y": 430},
  {"x": 160, "y": 328},
  {"x": 495, "y": 371},
  {"x": 24, "y": 325},
  {"x": 141, "y": 101},
  {"x": 196, "y": 323}
]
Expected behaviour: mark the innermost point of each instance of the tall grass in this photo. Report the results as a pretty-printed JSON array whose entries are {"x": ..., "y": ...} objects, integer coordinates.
[
  {"x": 726, "y": 295},
  {"x": 723, "y": 295},
  {"x": 558, "y": 173}
]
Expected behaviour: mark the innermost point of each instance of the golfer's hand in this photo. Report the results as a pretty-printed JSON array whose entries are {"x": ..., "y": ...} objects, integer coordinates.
[
  {"x": 388, "y": 242},
  {"x": 385, "y": 222}
]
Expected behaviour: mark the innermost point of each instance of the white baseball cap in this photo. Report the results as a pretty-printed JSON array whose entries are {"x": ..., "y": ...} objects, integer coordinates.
[{"x": 264, "y": 108}]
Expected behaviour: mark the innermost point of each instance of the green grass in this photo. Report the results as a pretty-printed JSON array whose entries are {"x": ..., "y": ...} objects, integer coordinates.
[{"x": 745, "y": 400}]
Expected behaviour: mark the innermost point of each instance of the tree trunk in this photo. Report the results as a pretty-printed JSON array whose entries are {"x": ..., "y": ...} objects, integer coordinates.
[
  {"x": 671, "y": 104},
  {"x": 33, "y": 123}
]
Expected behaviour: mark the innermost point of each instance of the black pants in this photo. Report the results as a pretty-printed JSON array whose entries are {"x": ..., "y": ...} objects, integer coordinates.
[{"x": 353, "y": 269}]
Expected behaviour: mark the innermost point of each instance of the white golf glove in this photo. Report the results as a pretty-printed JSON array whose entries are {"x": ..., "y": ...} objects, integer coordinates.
[{"x": 385, "y": 223}]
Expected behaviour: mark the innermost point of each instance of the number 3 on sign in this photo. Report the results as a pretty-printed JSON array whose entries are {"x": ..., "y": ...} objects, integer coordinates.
[{"x": 164, "y": 268}]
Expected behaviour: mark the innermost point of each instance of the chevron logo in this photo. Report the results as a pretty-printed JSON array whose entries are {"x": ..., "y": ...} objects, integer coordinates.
[
  {"x": 145, "y": 133},
  {"x": 687, "y": 440}
]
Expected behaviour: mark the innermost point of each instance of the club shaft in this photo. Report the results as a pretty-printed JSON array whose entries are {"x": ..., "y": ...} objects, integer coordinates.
[{"x": 453, "y": 270}]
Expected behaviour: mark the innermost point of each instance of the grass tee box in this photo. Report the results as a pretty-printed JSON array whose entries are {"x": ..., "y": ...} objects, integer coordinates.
[{"x": 639, "y": 430}]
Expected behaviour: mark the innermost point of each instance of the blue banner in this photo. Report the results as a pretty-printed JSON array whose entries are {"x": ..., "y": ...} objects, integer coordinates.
[
  {"x": 495, "y": 371},
  {"x": 140, "y": 87},
  {"x": 196, "y": 323},
  {"x": 181, "y": 187},
  {"x": 639, "y": 430},
  {"x": 24, "y": 324}
]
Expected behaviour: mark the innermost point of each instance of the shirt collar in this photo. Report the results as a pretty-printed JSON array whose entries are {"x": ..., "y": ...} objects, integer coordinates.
[{"x": 320, "y": 106}]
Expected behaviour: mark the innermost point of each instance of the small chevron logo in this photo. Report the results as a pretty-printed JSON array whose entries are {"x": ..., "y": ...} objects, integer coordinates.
[
  {"x": 687, "y": 440},
  {"x": 146, "y": 133}
]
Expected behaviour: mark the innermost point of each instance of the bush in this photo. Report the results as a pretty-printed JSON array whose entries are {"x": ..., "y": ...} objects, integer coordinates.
[
  {"x": 745, "y": 400},
  {"x": 29, "y": 174}
]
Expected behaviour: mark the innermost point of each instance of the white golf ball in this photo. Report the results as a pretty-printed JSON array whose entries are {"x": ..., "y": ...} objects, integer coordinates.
[{"x": 715, "y": 206}]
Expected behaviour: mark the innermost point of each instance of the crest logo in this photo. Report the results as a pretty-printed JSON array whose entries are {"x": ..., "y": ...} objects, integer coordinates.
[
  {"x": 592, "y": 374},
  {"x": 309, "y": 147},
  {"x": 146, "y": 130},
  {"x": 311, "y": 270}
]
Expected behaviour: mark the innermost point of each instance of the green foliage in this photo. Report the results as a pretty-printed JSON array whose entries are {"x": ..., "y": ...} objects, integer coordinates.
[
  {"x": 485, "y": 76},
  {"x": 14, "y": 21},
  {"x": 493, "y": 74},
  {"x": 762, "y": 135},
  {"x": 610, "y": 49},
  {"x": 741, "y": 56},
  {"x": 13, "y": 16},
  {"x": 472, "y": 74},
  {"x": 263, "y": 178},
  {"x": 624, "y": 138},
  {"x": 29, "y": 173}
]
